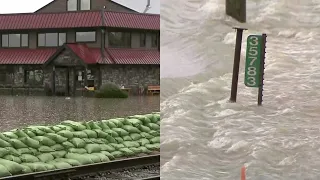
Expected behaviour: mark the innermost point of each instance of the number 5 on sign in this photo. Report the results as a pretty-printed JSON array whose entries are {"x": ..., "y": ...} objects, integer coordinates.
[{"x": 253, "y": 60}]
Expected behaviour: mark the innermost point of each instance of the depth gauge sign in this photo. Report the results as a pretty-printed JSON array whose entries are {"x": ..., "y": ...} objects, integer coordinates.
[{"x": 253, "y": 60}]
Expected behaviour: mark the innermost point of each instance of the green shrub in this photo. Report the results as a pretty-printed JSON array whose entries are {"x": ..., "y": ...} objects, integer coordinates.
[{"x": 110, "y": 91}]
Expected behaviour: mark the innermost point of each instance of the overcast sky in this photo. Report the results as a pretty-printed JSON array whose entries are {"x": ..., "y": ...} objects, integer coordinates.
[{"x": 23, "y": 6}]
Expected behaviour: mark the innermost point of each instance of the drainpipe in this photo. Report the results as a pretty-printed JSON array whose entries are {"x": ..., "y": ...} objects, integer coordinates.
[{"x": 103, "y": 33}]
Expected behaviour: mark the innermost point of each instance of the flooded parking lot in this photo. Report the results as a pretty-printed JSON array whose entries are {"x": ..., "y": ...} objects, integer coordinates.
[{"x": 19, "y": 111}]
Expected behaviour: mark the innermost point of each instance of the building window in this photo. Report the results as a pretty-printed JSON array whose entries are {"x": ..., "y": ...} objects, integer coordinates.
[
  {"x": 33, "y": 77},
  {"x": 86, "y": 36},
  {"x": 6, "y": 74},
  {"x": 154, "y": 39},
  {"x": 51, "y": 39},
  {"x": 142, "y": 39},
  {"x": 15, "y": 40},
  {"x": 76, "y": 5},
  {"x": 120, "y": 39}
]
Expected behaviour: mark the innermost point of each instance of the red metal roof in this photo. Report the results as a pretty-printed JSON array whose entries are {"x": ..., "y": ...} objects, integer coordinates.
[
  {"x": 96, "y": 53},
  {"x": 77, "y": 20},
  {"x": 83, "y": 52},
  {"x": 25, "y": 56},
  {"x": 134, "y": 56}
]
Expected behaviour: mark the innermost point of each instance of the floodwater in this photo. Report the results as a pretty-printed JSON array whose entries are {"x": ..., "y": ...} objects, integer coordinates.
[
  {"x": 16, "y": 112},
  {"x": 203, "y": 136}
]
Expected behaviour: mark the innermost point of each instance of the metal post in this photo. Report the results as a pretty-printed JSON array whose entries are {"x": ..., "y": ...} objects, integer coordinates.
[
  {"x": 236, "y": 64},
  {"x": 263, "y": 52}
]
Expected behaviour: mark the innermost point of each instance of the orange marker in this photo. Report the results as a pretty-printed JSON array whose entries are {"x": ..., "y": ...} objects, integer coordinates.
[{"x": 243, "y": 173}]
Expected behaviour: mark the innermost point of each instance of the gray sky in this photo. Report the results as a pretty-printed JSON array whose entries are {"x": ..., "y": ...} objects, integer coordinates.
[{"x": 22, "y": 6}]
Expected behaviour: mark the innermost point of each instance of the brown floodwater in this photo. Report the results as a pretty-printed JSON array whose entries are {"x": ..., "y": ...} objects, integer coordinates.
[{"x": 17, "y": 112}]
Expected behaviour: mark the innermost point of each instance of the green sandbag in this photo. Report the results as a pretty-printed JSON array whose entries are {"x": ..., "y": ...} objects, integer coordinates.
[
  {"x": 143, "y": 141},
  {"x": 153, "y": 126},
  {"x": 26, "y": 169},
  {"x": 45, "y": 149},
  {"x": 144, "y": 128},
  {"x": 156, "y": 117},
  {"x": 3, "y": 152},
  {"x": 98, "y": 141},
  {"x": 90, "y": 133},
  {"x": 131, "y": 129},
  {"x": 103, "y": 157},
  {"x": 127, "y": 152},
  {"x": 129, "y": 144},
  {"x": 119, "y": 139},
  {"x": 152, "y": 117},
  {"x": 13, "y": 167},
  {"x": 60, "y": 165},
  {"x": 56, "y": 128},
  {"x": 45, "y": 140},
  {"x": 100, "y": 133},
  {"x": 45, "y": 129},
  {"x": 117, "y": 154},
  {"x": 4, "y": 171},
  {"x": 68, "y": 145},
  {"x": 4, "y": 143},
  {"x": 133, "y": 122},
  {"x": 83, "y": 159},
  {"x": 20, "y": 133},
  {"x": 64, "y": 127},
  {"x": 94, "y": 158},
  {"x": 13, "y": 151},
  {"x": 116, "y": 122},
  {"x": 106, "y": 147},
  {"x": 34, "y": 152},
  {"x": 75, "y": 125},
  {"x": 127, "y": 138},
  {"x": 3, "y": 137},
  {"x": 10, "y": 135},
  {"x": 144, "y": 150},
  {"x": 155, "y": 140},
  {"x": 136, "y": 150},
  {"x": 142, "y": 118},
  {"x": 59, "y": 154},
  {"x": 78, "y": 150},
  {"x": 102, "y": 125},
  {"x": 57, "y": 147},
  {"x": 154, "y": 133},
  {"x": 56, "y": 137},
  {"x": 66, "y": 134},
  {"x": 153, "y": 147},
  {"x": 31, "y": 142},
  {"x": 36, "y": 130},
  {"x": 48, "y": 166},
  {"x": 121, "y": 132},
  {"x": 29, "y": 133},
  {"x": 108, "y": 154},
  {"x": 72, "y": 162},
  {"x": 111, "y": 139},
  {"x": 78, "y": 143},
  {"x": 79, "y": 134},
  {"x": 12, "y": 158},
  {"x": 93, "y": 148},
  {"x": 45, "y": 157},
  {"x": 117, "y": 146},
  {"x": 17, "y": 143},
  {"x": 135, "y": 136},
  {"x": 111, "y": 133},
  {"x": 35, "y": 167},
  {"x": 146, "y": 135},
  {"x": 93, "y": 125},
  {"x": 87, "y": 140},
  {"x": 28, "y": 158},
  {"x": 109, "y": 124},
  {"x": 158, "y": 123}
]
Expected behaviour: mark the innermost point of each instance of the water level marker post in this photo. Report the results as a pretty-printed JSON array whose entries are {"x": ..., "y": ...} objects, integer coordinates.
[
  {"x": 236, "y": 64},
  {"x": 263, "y": 57}
]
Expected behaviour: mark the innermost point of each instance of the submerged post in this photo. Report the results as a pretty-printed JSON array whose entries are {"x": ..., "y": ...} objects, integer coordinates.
[
  {"x": 236, "y": 64},
  {"x": 263, "y": 52}
]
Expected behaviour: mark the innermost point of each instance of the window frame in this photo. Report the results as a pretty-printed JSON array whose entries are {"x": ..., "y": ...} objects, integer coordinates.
[
  {"x": 78, "y": 6},
  {"x": 156, "y": 35},
  {"x": 58, "y": 38},
  {"x": 20, "y": 40},
  {"x": 26, "y": 80},
  {"x": 68, "y": 6},
  {"x": 145, "y": 39},
  {"x": 95, "y": 37},
  {"x": 121, "y": 46}
]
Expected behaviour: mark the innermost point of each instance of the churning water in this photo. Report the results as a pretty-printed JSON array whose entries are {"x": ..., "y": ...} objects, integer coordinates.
[{"x": 206, "y": 137}]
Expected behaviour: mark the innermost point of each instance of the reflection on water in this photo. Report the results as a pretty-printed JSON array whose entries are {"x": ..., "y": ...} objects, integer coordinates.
[{"x": 18, "y": 112}]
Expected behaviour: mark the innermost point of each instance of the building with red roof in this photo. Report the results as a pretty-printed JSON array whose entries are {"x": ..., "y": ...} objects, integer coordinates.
[{"x": 69, "y": 44}]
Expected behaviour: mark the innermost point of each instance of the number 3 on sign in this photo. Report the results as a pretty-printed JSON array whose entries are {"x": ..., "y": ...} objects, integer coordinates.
[{"x": 253, "y": 59}]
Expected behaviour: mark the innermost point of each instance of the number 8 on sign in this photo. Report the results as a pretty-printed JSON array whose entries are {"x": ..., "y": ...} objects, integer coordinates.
[{"x": 253, "y": 60}]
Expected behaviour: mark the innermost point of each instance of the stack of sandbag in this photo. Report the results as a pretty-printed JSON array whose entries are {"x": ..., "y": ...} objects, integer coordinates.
[{"x": 69, "y": 144}]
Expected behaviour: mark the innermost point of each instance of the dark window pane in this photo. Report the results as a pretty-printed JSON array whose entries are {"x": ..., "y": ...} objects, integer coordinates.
[
  {"x": 24, "y": 40},
  {"x": 154, "y": 39},
  {"x": 62, "y": 38},
  {"x": 14, "y": 40},
  {"x": 85, "y": 4},
  {"x": 72, "y": 5},
  {"x": 51, "y": 39},
  {"x": 119, "y": 39},
  {"x": 5, "y": 40},
  {"x": 41, "y": 39},
  {"x": 85, "y": 36},
  {"x": 34, "y": 77},
  {"x": 142, "y": 39}
]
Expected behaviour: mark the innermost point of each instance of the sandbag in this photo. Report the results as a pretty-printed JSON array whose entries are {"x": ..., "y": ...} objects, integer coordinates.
[
  {"x": 135, "y": 136},
  {"x": 36, "y": 131},
  {"x": 57, "y": 147},
  {"x": 100, "y": 133},
  {"x": 142, "y": 118},
  {"x": 87, "y": 140},
  {"x": 56, "y": 137},
  {"x": 72, "y": 162},
  {"x": 68, "y": 145},
  {"x": 127, "y": 138},
  {"x": 28, "y": 158},
  {"x": 75, "y": 125},
  {"x": 146, "y": 135},
  {"x": 108, "y": 154},
  {"x": 48, "y": 166},
  {"x": 10, "y": 135},
  {"x": 13, "y": 151},
  {"x": 93, "y": 148},
  {"x": 152, "y": 117},
  {"x": 20, "y": 133},
  {"x": 131, "y": 129},
  {"x": 82, "y": 159},
  {"x": 56, "y": 128},
  {"x": 144, "y": 128},
  {"x": 13, "y": 167},
  {"x": 45, "y": 149},
  {"x": 154, "y": 133},
  {"x": 102, "y": 125},
  {"x": 4, "y": 172},
  {"x": 60, "y": 165},
  {"x": 159, "y": 123},
  {"x": 98, "y": 141},
  {"x": 4, "y": 143},
  {"x": 45, "y": 157},
  {"x": 119, "y": 140},
  {"x": 109, "y": 124},
  {"x": 153, "y": 147},
  {"x": 106, "y": 147},
  {"x": 156, "y": 117},
  {"x": 90, "y": 133},
  {"x": 66, "y": 133},
  {"x": 103, "y": 157},
  {"x": 26, "y": 169},
  {"x": 116, "y": 122},
  {"x": 12, "y": 158},
  {"x": 64, "y": 127},
  {"x": 127, "y": 152},
  {"x": 111, "y": 139},
  {"x": 135, "y": 150},
  {"x": 34, "y": 152},
  {"x": 111, "y": 133},
  {"x": 17, "y": 143},
  {"x": 93, "y": 125},
  {"x": 129, "y": 144},
  {"x": 155, "y": 140},
  {"x": 31, "y": 142},
  {"x": 58, "y": 154},
  {"x": 153, "y": 126},
  {"x": 24, "y": 151},
  {"x": 45, "y": 140},
  {"x": 29, "y": 133},
  {"x": 121, "y": 132},
  {"x": 133, "y": 122},
  {"x": 77, "y": 150},
  {"x": 143, "y": 141},
  {"x": 144, "y": 150},
  {"x": 45, "y": 129},
  {"x": 94, "y": 158},
  {"x": 3, "y": 152},
  {"x": 35, "y": 167},
  {"x": 78, "y": 143},
  {"x": 117, "y": 154},
  {"x": 79, "y": 134},
  {"x": 117, "y": 146}
]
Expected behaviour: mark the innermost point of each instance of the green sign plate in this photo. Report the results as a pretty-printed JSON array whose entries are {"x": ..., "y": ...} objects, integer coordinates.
[
  {"x": 236, "y": 9},
  {"x": 253, "y": 60}
]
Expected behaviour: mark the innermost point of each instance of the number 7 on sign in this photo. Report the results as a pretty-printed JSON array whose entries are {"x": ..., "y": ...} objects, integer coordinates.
[{"x": 253, "y": 60}]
